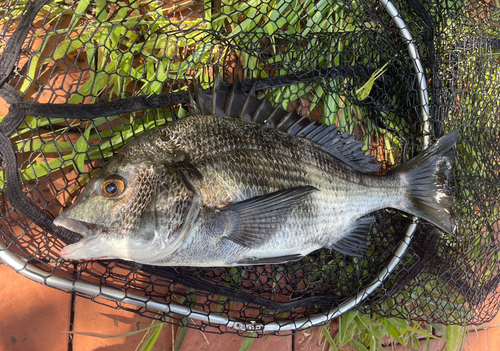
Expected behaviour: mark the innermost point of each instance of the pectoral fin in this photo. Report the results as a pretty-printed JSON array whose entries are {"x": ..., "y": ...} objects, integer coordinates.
[
  {"x": 259, "y": 218},
  {"x": 355, "y": 241}
]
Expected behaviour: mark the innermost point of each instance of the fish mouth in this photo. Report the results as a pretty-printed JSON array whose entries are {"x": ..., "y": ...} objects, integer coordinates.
[
  {"x": 90, "y": 233},
  {"x": 83, "y": 228},
  {"x": 77, "y": 251}
]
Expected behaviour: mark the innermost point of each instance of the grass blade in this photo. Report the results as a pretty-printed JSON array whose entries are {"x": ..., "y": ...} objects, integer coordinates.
[
  {"x": 180, "y": 337},
  {"x": 329, "y": 338},
  {"x": 394, "y": 332},
  {"x": 81, "y": 147},
  {"x": 344, "y": 322},
  {"x": 109, "y": 336},
  {"x": 152, "y": 338},
  {"x": 404, "y": 325},
  {"x": 247, "y": 343}
]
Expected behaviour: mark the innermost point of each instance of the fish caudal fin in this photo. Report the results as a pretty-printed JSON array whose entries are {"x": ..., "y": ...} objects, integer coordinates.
[{"x": 426, "y": 178}]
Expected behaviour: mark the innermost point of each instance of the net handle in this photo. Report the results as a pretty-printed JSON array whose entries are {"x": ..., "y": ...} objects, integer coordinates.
[{"x": 42, "y": 277}]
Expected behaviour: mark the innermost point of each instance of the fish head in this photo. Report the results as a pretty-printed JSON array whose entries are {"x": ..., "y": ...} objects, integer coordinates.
[{"x": 134, "y": 209}]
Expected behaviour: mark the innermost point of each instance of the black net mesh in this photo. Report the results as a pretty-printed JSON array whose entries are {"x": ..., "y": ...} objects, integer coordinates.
[{"x": 83, "y": 78}]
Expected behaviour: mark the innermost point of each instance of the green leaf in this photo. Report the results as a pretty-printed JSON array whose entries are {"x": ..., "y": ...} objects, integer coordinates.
[
  {"x": 328, "y": 337},
  {"x": 81, "y": 147},
  {"x": 394, "y": 332},
  {"x": 50, "y": 146},
  {"x": 41, "y": 169},
  {"x": 109, "y": 336},
  {"x": 152, "y": 338},
  {"x": 221, "y": 306},
  {"x": 363, "y": 92},
  {"x": 359, "y": 345},
  {"x": 400, "y": 323},
  {"x": 247, "y": 343},
  {"x": 122, "y": 13},
  {"x": 67, "y": 46},
  {"x": 82, "y": 7},
  {"x": 182, "y": 113},
  {"x": 405, "y": 325},
  {"x": 344, "y": 322},
  {"x": 101, "y": 10},
  {"x": 84, "y": 90},
  {"x": 31, "y": 123},
  {"x": 33, "y": 63},
  {"x": 180, "y": 337},
  {"x": 381, "y": 332}
]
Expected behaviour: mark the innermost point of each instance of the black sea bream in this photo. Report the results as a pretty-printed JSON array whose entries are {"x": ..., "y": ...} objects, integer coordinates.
[{"x": 263, "y": 186}]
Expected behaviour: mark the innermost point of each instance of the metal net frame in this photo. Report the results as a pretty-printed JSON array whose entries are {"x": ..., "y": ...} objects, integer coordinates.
[{"x": 81, "y": 79}]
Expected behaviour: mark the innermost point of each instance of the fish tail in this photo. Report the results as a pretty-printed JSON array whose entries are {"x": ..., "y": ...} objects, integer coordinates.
[{"x": 426, "y": 178}]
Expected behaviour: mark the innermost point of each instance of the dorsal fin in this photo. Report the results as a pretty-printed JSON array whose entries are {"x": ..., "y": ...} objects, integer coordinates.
[{"x": 232, "y": 101}]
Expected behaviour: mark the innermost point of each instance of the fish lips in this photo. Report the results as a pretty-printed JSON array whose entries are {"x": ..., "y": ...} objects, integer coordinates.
[
  {"x": 83, "y": 228},
  {"x": 89, "y": 231}
]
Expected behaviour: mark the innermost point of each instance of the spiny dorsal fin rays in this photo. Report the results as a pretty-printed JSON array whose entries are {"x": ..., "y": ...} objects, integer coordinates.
[
  {"x": 317, "y": 130},
  {"x": 271, "y": 123},
  {"x": 309, "y": 128},
  {"x": 193, "y": 107},
  {"x": 248, "y": 100},
  {"x": 260, "y": 115},
  {"x": 282, "y": 123},
  {"x": 230, "y": 98},
  {"x": 220, "y": 94},
  {"x": 263, "y": 111},
  {"x": 297, "y": 125},
  {"x": 202, "y": 99},
  {"x": 236, "y": 101},
  {"x": 233, "y": 102}
]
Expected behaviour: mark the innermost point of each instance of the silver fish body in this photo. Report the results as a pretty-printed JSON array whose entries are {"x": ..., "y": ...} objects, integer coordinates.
[{"x": 212, "y": 190}]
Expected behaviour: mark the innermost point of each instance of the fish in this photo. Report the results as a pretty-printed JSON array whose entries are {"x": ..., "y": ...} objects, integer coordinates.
[{"x": 241, "y": 182}]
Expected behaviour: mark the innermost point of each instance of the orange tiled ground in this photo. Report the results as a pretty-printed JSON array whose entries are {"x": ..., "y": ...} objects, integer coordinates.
[{"x": 34, "y": 317}]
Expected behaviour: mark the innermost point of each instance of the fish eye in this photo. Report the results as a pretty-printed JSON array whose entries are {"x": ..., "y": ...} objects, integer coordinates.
[{"x": 112, "y": 186}]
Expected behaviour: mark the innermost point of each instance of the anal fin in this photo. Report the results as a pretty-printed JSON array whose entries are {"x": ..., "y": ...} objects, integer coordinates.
[{"x": 355, "y": 241}]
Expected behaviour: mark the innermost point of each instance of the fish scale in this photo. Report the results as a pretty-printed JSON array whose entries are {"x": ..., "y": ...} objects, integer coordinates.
[{"x": 229, "y": 191}]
